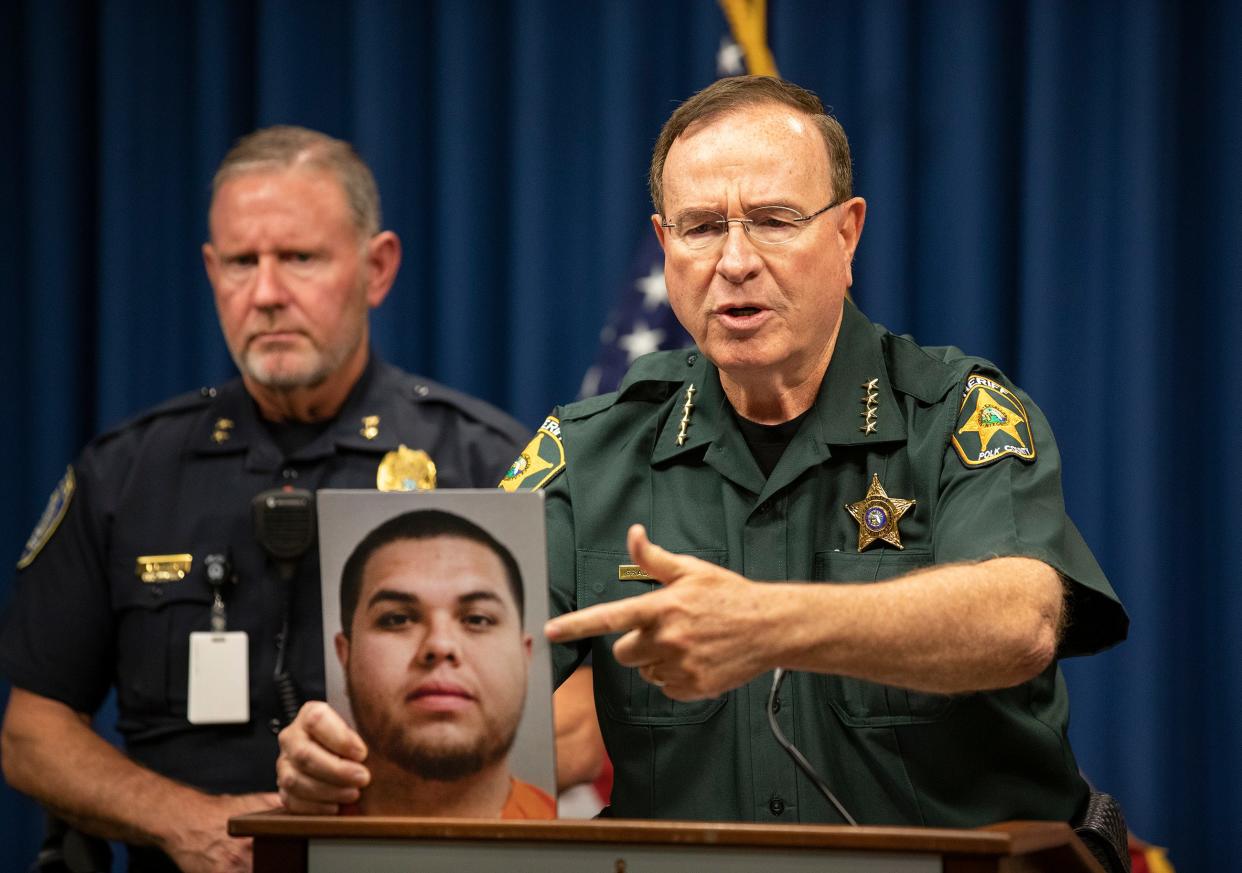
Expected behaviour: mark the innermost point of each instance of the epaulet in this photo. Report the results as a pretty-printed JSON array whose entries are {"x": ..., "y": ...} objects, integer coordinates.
[
  {"x": 190, "y": 401},
  {"x": 418, "y": 389},
  {"x": 926, "y": 373},
  {"x": 660, "y": 367},
  {"x": 588, "y": 406},
  {"x": 653, "y": 377}
]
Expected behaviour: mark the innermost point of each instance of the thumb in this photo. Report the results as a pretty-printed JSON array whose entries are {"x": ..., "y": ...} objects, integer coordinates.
[{"x": 660, "y": 564}]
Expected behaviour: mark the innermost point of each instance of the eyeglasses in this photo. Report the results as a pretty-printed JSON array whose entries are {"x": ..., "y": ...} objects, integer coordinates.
[{"x": 770, "y": 225}]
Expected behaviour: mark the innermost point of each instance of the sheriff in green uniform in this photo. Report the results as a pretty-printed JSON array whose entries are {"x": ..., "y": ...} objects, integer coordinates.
[
  {"x": 915, "y": 492},
  {"x": 843, "y": 504},
  {"x": 883, "y": 520}
]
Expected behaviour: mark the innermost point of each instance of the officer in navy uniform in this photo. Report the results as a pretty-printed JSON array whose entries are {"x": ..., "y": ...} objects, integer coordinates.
[
  {"x": 883, "y": 519},
  {"x": 154, "y": 520}
]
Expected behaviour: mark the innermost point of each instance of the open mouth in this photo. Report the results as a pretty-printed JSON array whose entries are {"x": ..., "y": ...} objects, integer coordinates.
[{"x": 742, "y": 311}]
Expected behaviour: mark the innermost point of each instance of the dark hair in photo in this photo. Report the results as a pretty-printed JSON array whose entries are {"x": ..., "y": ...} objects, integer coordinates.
[{"x": 420, "y": 524}]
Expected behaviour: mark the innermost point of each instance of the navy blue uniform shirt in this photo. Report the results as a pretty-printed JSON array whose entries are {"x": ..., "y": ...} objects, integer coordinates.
[{"x": 179, "y": 479}]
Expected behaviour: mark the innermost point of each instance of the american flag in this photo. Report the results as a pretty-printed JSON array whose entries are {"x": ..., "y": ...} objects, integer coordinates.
[{"x": 642, "y": 321}]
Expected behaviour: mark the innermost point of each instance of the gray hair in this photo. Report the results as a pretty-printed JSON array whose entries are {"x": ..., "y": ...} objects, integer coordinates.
[
  {"x": 737, "y": 92},
  {"x": 286, "y": 147}
]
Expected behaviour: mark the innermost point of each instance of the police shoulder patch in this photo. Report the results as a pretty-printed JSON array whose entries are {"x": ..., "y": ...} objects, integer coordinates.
[
  {"x": 991, "y": 423},
  {"x": 52, "y": 516},
  {"x": 540, "y": 461}
]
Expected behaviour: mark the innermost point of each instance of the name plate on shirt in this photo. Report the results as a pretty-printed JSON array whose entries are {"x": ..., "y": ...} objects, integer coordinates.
[
  {"x": 163, "y": 568},
  {"x": 219, "y": 684},
  {"x": 632, "y": 572}
]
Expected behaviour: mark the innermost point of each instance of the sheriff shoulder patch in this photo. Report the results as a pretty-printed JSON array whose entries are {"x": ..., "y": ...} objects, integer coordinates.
[
  {"x": 540, "y": 461},
  {"x": 52, "y": 516},
  {"x": 991, "y": 424}
]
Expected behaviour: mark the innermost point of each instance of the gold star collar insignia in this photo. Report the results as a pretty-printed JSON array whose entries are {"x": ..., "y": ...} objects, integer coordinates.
[
  {"x": 877, "y": 515},
  {"x": 222, "y": 430},
  {"x": 684, "y": 425},
  {"x": 870, "y": 402}
]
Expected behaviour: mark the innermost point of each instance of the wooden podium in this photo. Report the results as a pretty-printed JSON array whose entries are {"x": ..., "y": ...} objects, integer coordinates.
[{"x": 318, "y": 844}]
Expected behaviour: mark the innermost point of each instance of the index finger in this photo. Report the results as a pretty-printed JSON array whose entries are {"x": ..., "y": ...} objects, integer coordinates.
[{"x": 603, "y": 618}]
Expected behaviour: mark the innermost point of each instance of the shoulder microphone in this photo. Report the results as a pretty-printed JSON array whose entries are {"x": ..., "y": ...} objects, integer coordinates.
[{"x": 284, "y": 525}]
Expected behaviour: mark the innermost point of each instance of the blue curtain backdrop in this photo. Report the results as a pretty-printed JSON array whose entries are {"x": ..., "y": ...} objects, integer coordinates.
[{"x": 1054, "y": 185}]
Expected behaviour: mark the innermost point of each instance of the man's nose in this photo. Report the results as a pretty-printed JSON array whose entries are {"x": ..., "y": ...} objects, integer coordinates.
[
  {"x": 739, "y": 259},
  {"x": 440, "y": 644},
  {"x": 269, "y": 286}
]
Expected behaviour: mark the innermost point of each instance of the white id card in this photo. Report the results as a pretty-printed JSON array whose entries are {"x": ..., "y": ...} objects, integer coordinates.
[{"x": 219, "y": 685}]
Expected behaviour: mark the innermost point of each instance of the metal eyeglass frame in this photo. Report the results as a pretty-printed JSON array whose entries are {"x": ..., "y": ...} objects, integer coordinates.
[{"x": 746, "y": 223}]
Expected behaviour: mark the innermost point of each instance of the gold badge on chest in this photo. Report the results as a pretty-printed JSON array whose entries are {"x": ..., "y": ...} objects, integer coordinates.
[
  {"x": 406, "y": 469},
  {"x": 877, "y": 515}
]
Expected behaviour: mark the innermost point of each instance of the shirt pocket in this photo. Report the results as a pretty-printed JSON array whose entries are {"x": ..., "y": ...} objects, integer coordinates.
[
  {"x": 859, "y": 703},
  {"x": 153, "y": 625},
  {"x": 624, "y": 696}
]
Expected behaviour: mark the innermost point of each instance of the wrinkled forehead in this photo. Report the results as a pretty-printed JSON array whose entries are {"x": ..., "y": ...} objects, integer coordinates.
[{"x": 769, "y": 151}]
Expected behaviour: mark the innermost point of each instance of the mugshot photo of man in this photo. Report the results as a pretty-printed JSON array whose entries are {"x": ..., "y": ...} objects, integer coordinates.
[{"x": 436, "y": 661}]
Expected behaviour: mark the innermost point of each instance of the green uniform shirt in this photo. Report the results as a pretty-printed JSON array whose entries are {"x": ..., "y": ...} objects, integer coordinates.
[{"x": 890, "y": 755}]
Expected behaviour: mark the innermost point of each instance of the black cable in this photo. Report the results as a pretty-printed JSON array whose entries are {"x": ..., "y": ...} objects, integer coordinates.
[
  {"x": 286, "y": 690},
  {"x": 798, "y": 758}
]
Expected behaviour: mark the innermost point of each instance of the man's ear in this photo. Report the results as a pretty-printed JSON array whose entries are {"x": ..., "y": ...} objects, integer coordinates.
[
  {"x": 383, "y": 256},
  {"x": 211, "y": 263},
  {"x": 851, "y": 228},
  {"x": 660, "y": 230},
  {"x": 342, "y": 650}
]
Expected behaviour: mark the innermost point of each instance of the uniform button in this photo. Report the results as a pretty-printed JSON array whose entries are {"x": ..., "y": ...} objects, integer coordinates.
[
  {"x": 691, "y": 359},
  {"x": 776, "y": 705},
  {"x": 289, "y": 473},
  {"x": 776, "y": 805},
  {"x": 421, "y": 390},
  {"x": 274, "y": 726},
  {"x": 765, "y": 507}
]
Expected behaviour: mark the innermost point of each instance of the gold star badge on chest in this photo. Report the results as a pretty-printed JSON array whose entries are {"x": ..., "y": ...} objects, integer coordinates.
[{"x": 877, "y": 515}]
